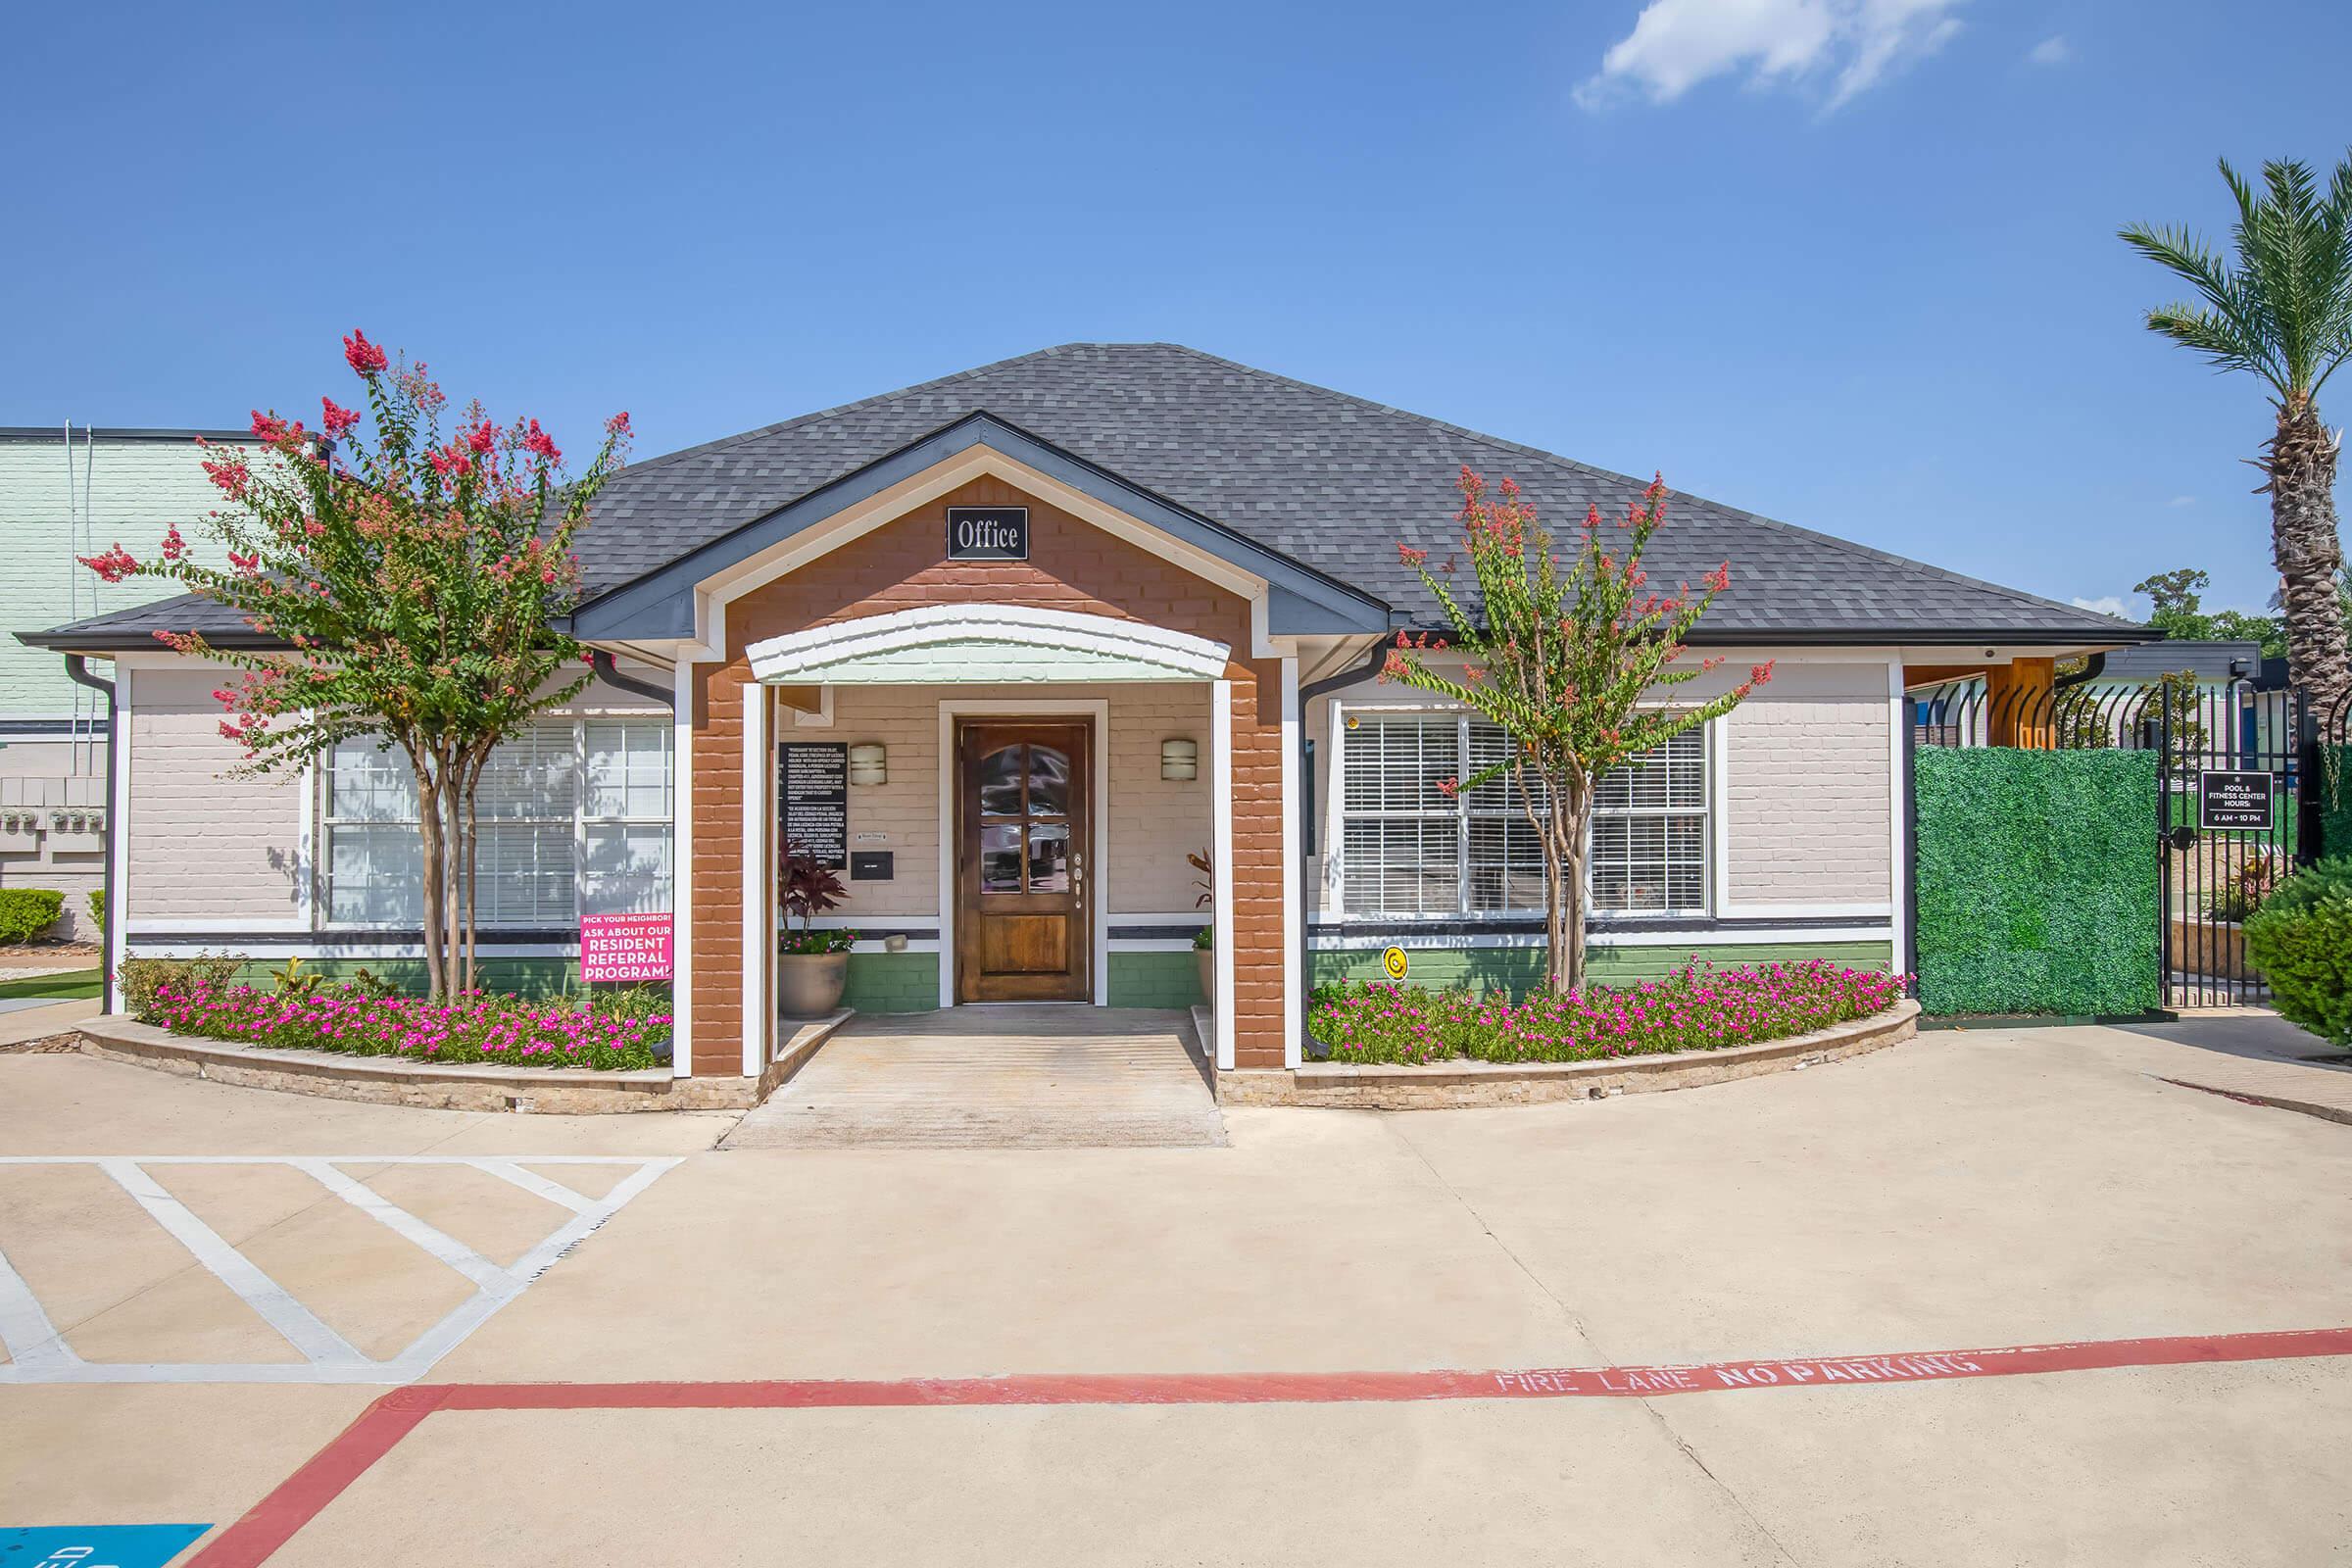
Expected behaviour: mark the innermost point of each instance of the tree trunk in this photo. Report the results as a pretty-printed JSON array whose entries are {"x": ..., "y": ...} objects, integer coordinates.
[
  {"x": 2309, "y": 554},
  {"x": 432, "y": 853},
  {"x": 1577, "y": 812},
  {"x": 453, "y": 815}
]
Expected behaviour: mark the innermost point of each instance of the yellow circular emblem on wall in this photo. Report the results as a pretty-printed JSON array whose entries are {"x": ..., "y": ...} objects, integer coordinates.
[{"x": 1393, "y": 960}]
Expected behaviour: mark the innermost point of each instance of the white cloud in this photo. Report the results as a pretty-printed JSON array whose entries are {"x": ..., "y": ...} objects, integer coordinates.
[
  {"x": 2052, "y": 51},
  {"x": 2111, "y": 605},
  {"x": 1676, "y": 44},
  {"x": 2182, "y": 501}
]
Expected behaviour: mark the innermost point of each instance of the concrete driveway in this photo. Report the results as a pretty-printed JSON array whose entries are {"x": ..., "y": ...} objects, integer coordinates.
[{"x": 1963, "y": 1191}]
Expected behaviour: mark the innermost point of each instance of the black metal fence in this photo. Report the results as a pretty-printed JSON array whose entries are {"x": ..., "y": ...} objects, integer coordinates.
[{"x": 2247, "y": 787}]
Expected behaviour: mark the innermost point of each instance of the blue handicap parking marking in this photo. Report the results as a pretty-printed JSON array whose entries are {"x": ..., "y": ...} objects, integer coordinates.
[{"x": 95, "y": 1545}]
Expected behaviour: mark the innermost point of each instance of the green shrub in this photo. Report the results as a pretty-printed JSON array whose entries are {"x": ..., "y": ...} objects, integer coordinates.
[
  {"x": 2037, "y": 881},
  {"x": 98, "y": 907},
  {"x": 138, "y": 978},
  {"x": 26, "y": 912},
  {"x": 2301, "y": 940}
]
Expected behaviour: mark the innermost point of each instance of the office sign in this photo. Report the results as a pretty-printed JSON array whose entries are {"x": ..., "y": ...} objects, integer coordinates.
[
  {"x": 813, "y": 792},
  {"x": 2230, "y": 801},
  {"x": 625, "y": 946},
  {"x": 988, "y": 533}
]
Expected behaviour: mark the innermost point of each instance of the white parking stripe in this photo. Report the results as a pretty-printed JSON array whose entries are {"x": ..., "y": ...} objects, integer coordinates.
[
  {"x": 301, "y": 1327},
  {"x": 486, "y": 1275},
  {"x": 39, "y": 1354},
  {"x": 533, "y": 1182},
  {"x": 33, "y": 1340}
]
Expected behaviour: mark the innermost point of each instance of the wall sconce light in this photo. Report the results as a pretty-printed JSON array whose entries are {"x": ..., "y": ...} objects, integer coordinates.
[
  {"x": 1179, "y": 759},
  {"x": 869, "y": 763}
]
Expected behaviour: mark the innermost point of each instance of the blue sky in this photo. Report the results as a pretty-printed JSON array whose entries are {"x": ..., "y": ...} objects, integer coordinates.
[{"x": 1848, "y": 262}]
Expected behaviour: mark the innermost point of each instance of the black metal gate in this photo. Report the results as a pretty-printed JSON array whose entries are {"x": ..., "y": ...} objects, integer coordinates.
[{"x": 2237, "y": 796}]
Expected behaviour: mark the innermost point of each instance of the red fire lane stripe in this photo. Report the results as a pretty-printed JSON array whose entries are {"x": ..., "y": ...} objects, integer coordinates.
[{"x": 304, "y": 1494}]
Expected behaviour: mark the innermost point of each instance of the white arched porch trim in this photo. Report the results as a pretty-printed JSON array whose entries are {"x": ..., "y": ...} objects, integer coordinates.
[{"x": 985, "y": 643}]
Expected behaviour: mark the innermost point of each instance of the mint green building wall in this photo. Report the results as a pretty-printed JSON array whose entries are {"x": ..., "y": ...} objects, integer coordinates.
[
  {"x": 136, "y": 489},
  {"x": 1519, "y": 971}
]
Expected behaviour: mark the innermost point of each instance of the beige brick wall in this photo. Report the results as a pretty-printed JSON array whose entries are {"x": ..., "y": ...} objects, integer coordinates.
[
  {"x": 1806, "y": 789},
  {"x": 1152, "y": 822},
  {"x": 204, "y": 846}
]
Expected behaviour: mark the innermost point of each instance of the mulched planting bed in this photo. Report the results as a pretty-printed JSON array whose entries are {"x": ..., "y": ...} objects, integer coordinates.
[
  {"x": 507, "y": 1031},
  {"x": 1695, "y": 1008}
]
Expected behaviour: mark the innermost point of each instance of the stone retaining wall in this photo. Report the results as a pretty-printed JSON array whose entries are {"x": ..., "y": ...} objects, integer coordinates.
[
  {"x": 392, "y": 1081},
  {"x": 1452, "y": 1085}
]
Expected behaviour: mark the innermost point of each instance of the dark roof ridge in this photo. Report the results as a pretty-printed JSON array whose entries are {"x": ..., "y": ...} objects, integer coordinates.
[
  {"x": 1503, "y": 443},
  {"x": 797, "y": 420}
]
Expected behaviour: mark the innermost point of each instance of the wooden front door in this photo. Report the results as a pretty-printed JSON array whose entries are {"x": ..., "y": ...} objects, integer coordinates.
[{"x": 1024, "y": 918}]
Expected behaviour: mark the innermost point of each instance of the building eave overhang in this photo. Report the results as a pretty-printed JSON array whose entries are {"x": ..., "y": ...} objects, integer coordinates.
[{"x": 660, "y": 603}]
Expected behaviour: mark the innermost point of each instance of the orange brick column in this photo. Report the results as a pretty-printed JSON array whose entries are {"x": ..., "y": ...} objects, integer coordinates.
[
  {"x": 1258, "y": 930},
  {"x": 713, "y": 885}
]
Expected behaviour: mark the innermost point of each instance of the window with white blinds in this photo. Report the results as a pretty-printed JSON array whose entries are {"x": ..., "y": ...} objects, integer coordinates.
[
  {"x": 1407, "y": 847},
  {"x": 573, "y": 816}
]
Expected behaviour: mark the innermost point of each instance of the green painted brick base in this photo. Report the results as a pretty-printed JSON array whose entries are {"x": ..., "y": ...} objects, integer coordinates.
[
  {"x": 908, "y": 981},
  {"x": 1155, "y": 979},
  {"x": 1519, "y": 971},
  {"x": 892, "y": 982}
]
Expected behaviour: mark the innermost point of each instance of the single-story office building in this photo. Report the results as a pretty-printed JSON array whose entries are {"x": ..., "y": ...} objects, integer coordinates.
[{"x": 1013, "y": 644}]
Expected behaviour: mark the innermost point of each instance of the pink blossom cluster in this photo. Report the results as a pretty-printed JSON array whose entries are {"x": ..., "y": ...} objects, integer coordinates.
[
  {"x": 473, "y": 1028},
  {"x": 1696, "y": 1009}
]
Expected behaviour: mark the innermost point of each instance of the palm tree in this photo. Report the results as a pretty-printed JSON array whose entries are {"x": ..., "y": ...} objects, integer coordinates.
[{"x": 2282, "y": 309}]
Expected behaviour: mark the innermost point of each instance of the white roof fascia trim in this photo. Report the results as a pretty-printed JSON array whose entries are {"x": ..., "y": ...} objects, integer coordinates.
[{"x": 787, "y": 657}]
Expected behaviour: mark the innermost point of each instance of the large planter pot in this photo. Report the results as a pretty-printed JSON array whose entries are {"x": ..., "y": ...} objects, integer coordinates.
[
  {"x": 2215, "y": 949},
  {"x": 809, "y": 985},
  {"x": 1208, "y": 959}
]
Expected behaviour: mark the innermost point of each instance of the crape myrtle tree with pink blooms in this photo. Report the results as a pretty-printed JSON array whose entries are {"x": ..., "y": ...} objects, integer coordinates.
[
  {"x": 412, "y": 575},
  {"x": 1572, "y": 660}
]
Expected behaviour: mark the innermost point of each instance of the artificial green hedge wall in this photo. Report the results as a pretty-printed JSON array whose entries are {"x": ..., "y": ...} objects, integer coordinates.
[
  {"x": 2038, "y": 886},
  {"x": 2334, "y": 785}
]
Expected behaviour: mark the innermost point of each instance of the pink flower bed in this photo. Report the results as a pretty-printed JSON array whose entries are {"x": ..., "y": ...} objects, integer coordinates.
[
  {"x": 476, "y": 1028},
  {"x": 1695, "y": 1008}
]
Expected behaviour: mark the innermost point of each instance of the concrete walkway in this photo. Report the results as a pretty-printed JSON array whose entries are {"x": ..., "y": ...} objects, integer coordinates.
[
  {"x": 1001, "y": 1077},
  {"x": 2252, "y": 1053},
  {"x": 39, "y": 1018}
]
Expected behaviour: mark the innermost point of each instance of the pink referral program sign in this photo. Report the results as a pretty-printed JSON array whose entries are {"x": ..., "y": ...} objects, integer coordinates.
[{"x": 625, "y": 946}]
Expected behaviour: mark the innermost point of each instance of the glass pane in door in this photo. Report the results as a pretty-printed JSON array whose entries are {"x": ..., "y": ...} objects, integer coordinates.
[
  {"x": 1050, "y": 858},
  {"x": 1001, "y": 781},
  {"x": 1000, "y": 857},
  {"x": 1049, "y": 782}
]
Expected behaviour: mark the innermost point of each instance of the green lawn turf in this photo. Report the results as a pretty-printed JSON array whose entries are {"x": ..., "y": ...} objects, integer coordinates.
[{"x": 73, "y": 986}]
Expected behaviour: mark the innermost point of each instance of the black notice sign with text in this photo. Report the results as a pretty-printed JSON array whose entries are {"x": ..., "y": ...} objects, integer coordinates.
[
  {"x": 2234, "y": 801},
  {"x": 988, "y": 533},
  {"x": 813, "y": 793}
]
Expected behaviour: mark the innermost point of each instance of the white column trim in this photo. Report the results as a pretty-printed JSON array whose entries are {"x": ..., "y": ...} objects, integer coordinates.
[
  {"x": 681, "y": 869},
  {"x": 1294, "y": 923},
  {"x": 1220, "y": 762},
  {"x": 759, "y": 877},
  {"x": 1719, "y": 825},
  {"x": 1894, "y": 811},
  {"x": 305, "y": 841},
  {"x": 1332, "y": 896},
  {"x": 118, "y": 823}
]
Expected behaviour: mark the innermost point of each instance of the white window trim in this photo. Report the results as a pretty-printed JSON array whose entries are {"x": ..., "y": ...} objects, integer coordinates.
[
  {"x": 319, "y": 825},
  {"x": 1335, "y": 875}
]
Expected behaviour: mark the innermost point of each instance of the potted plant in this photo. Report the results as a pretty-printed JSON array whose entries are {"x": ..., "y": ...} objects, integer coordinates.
[
  {"x": 813, "y": 966},
  {"x": 1205, "y": 940}
]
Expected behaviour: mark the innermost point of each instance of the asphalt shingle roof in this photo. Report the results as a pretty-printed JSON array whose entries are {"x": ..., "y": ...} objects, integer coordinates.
[{"x": 1332, "y": 481}]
